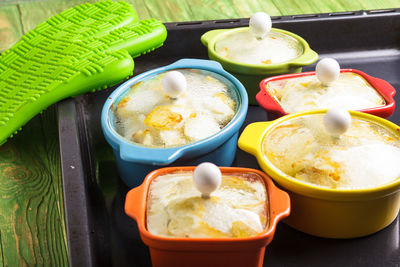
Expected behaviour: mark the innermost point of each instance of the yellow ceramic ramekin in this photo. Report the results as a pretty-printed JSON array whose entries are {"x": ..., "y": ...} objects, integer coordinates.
[
  {"x": 252, "y": 74},
  {"x": 325, "y": 212}
]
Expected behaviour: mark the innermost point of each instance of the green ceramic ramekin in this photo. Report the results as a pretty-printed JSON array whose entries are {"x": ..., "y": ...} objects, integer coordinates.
[{"x": 251, "y": 74}]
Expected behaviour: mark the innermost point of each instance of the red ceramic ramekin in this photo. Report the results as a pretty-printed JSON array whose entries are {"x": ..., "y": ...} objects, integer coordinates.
[
  {"x": 170, "y": 251},
  {"x": 270, "y": 105}
]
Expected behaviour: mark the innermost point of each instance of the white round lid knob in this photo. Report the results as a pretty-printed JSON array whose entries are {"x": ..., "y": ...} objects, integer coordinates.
[
  {"x": 328, "y": 70},
  {"x": 260, "y": 24},
  {"x": 173, "y": 83},
  {"x": 206, "y": 178},
  {"x": 337, "y": 121}
]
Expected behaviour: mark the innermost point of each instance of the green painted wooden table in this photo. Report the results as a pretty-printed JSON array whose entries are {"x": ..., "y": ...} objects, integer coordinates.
[{"x": 32, "y": 221}]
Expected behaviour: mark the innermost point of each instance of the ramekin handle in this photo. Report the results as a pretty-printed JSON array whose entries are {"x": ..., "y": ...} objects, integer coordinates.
[
  {"x": 194, "y": 62},
  {"x": 280, "y": 207},
  {"x": 208, "y": 36},
  {"x": 135, "y": 202},
  {"x": 251, "y": 137},
  {"x": 384, "y": 87},
  {"x": 159, "y": 157},
  {"x": 307, "y": 58},
  {"x": 267, "y": 102}
]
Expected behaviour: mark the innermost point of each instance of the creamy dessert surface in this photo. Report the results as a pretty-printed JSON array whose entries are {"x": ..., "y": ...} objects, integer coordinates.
[
  {"x": 146, "y": 115},
  {"x": 365, "y": 156},
  {"x": 350, "y": 91},
  {"x": 238, "y": 208},
  {"x": 243, "y": 47}
]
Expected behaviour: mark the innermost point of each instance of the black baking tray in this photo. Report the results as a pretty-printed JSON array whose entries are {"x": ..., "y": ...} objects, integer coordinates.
[{"x": 100, "y": 234}]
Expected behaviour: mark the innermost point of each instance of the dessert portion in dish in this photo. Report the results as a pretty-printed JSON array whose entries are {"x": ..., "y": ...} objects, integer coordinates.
[
  {"x": 238, "y": 208},
  {"x": 176, "y": 110},
  {"x": 349, "y": 91},
  {"x": 243, "y": 47},
  {"x": 258, "y": 44},
  {"x": 363, "y": 156}
]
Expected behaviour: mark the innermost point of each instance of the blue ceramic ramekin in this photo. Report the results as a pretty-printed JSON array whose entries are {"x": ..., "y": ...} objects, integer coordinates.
[{"x": 135, "y": 161}]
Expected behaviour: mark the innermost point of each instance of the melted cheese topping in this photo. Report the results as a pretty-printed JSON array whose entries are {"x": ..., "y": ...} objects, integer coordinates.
[
  {"x": 243, "y": 47},
  {"x": 365, "y": 156},
  {"x": 236, "y": 209},
  {"x": 350, "y": 91},
  {"x": 146, "y": 115}
]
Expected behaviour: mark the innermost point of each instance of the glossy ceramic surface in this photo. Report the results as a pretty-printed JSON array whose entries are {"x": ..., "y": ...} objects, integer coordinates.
[
  {"x": 325, "y": 212},
  {"x": 250, "y": 74},
  {"x": 168, "y": 251},
  {"x": 135, "y": 161},
  {"x": 270, "y": 105}
]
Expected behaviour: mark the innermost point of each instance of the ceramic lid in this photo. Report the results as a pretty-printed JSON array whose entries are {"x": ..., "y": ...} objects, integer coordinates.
[
  {"x": 175, "y": 108},
  {"x": 334, "y": 152},
  {"x": 326, "y": 88},
  {"x": 243, "y": 47},
  {"x": 237, "y": 208}
]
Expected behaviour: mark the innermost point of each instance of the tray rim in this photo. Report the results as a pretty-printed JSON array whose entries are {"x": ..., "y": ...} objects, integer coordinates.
[{"x": 81, "y": 228}]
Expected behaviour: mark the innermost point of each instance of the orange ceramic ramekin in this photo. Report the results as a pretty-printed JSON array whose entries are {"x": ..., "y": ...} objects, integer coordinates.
[{"x": 170, "y": 251}]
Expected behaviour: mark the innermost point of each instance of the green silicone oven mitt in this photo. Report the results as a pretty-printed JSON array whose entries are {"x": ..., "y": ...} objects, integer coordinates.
[{"x": 82, "y": 49}]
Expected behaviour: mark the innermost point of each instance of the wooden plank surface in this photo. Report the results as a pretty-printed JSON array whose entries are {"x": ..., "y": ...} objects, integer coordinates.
[
  {"x": 32, "y": 224},
  {"x": 32, "y": 13},
  {"x": 26, "y": 14},
  {"x": 10, "y": 26}
]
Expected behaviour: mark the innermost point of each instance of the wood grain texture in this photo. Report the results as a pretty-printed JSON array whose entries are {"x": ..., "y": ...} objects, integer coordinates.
[
  {"x": 32, "y": 13},
  {"x": 140, "y": 7},
  {"x": 32, "y": 223},
  {"x": 10, "y": 26}
]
